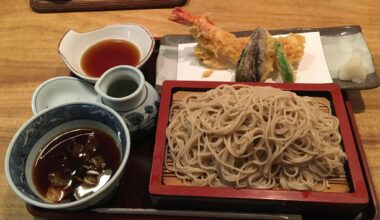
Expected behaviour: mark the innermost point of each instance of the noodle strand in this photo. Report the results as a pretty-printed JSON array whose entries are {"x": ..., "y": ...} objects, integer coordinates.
[{"x": 262, "y": 137}]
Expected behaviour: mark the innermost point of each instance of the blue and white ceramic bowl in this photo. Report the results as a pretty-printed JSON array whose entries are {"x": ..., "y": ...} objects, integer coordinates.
[{"x": 42, "y": 127}]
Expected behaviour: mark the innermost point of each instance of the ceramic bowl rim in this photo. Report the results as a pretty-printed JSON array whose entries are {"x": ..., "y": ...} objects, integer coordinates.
[
  {"x": 140, "y": 87},
  {"x": 39, "y": 88},
  {"x": 70, "y": 205},
  {"x": 94, "y": 79}
]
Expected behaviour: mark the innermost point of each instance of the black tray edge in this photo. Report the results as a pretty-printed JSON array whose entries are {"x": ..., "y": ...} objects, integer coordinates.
[{"x": 371, "y": 81}]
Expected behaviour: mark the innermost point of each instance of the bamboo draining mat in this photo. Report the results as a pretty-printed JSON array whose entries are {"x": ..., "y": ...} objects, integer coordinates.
[{"x": 335, "y": 184}]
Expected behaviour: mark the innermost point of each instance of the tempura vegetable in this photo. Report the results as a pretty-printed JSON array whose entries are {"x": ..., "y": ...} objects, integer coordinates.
[
  {"x": 251, "y": 64},
  {"x": 283, "y": 65},
  {"x": 219, "y": 49}
]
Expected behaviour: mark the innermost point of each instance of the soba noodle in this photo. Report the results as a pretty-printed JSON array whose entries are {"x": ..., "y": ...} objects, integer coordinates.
[{"x": 256, "y": 137}]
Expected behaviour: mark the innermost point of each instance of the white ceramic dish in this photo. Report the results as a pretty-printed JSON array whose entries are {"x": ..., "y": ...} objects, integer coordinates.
[
  {"x": 74, "y": 44},
  {"x": 60, "y": 90}
]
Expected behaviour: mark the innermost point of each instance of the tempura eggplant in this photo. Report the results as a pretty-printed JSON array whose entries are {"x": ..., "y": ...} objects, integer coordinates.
[
  {"x": 253, "y": 64},
  {"x": 247, "y": 67}
]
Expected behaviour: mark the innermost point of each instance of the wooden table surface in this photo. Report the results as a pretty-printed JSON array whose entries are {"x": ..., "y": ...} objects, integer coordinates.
[{"x": 28, "y": 55}]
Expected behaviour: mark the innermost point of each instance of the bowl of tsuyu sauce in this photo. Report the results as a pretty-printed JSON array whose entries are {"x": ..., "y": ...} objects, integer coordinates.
[
  {"x": 90, "y": 54},
  {"x": 109, "y": 53},
  {"x": 73, "y": 158},
  {"x": 66, "y": 147}
]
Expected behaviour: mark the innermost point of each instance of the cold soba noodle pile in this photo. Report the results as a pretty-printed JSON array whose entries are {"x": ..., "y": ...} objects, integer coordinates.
[{"x": 256, "y": 137}]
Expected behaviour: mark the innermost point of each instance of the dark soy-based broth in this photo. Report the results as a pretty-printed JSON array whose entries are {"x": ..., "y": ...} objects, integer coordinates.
[
  {"x": 109, "y": 53},
  {"x": 72, "y": 158},
  {"x": 122, "y": 88}
]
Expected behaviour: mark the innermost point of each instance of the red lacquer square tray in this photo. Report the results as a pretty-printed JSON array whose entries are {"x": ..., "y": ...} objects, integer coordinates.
[
  {"x": 356, "y": 198},
  {"x": 133, "y": 201}
]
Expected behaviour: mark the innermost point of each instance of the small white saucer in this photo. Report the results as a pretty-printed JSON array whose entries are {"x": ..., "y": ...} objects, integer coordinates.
[{"x": 60, "y": 90}]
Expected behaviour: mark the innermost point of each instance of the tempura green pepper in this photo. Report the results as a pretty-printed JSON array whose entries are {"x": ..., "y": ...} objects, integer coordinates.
[{"x": 283, "y": 64}]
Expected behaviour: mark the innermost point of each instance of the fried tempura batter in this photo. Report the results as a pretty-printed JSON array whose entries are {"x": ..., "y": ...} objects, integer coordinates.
[
  {"x": 219, "y": 49},
  {"x": 216, "y": 47}
]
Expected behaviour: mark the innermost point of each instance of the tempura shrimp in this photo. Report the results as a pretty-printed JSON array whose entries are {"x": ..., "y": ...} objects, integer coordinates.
[{"x": 216, "y": 47}]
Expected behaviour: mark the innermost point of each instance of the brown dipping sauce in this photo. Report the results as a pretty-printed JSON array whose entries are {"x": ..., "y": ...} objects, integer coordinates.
[
  {"x": 109, "y": 53},
  {"x": 71, "y": 159}
]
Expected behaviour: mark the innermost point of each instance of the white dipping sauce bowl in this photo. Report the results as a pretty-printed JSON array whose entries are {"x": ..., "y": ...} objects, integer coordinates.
[{"x": 73, "y": 44}]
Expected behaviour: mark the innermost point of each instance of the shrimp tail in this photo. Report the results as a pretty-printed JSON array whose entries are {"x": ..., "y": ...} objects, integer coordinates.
[{"x": 181, "y": 16}]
